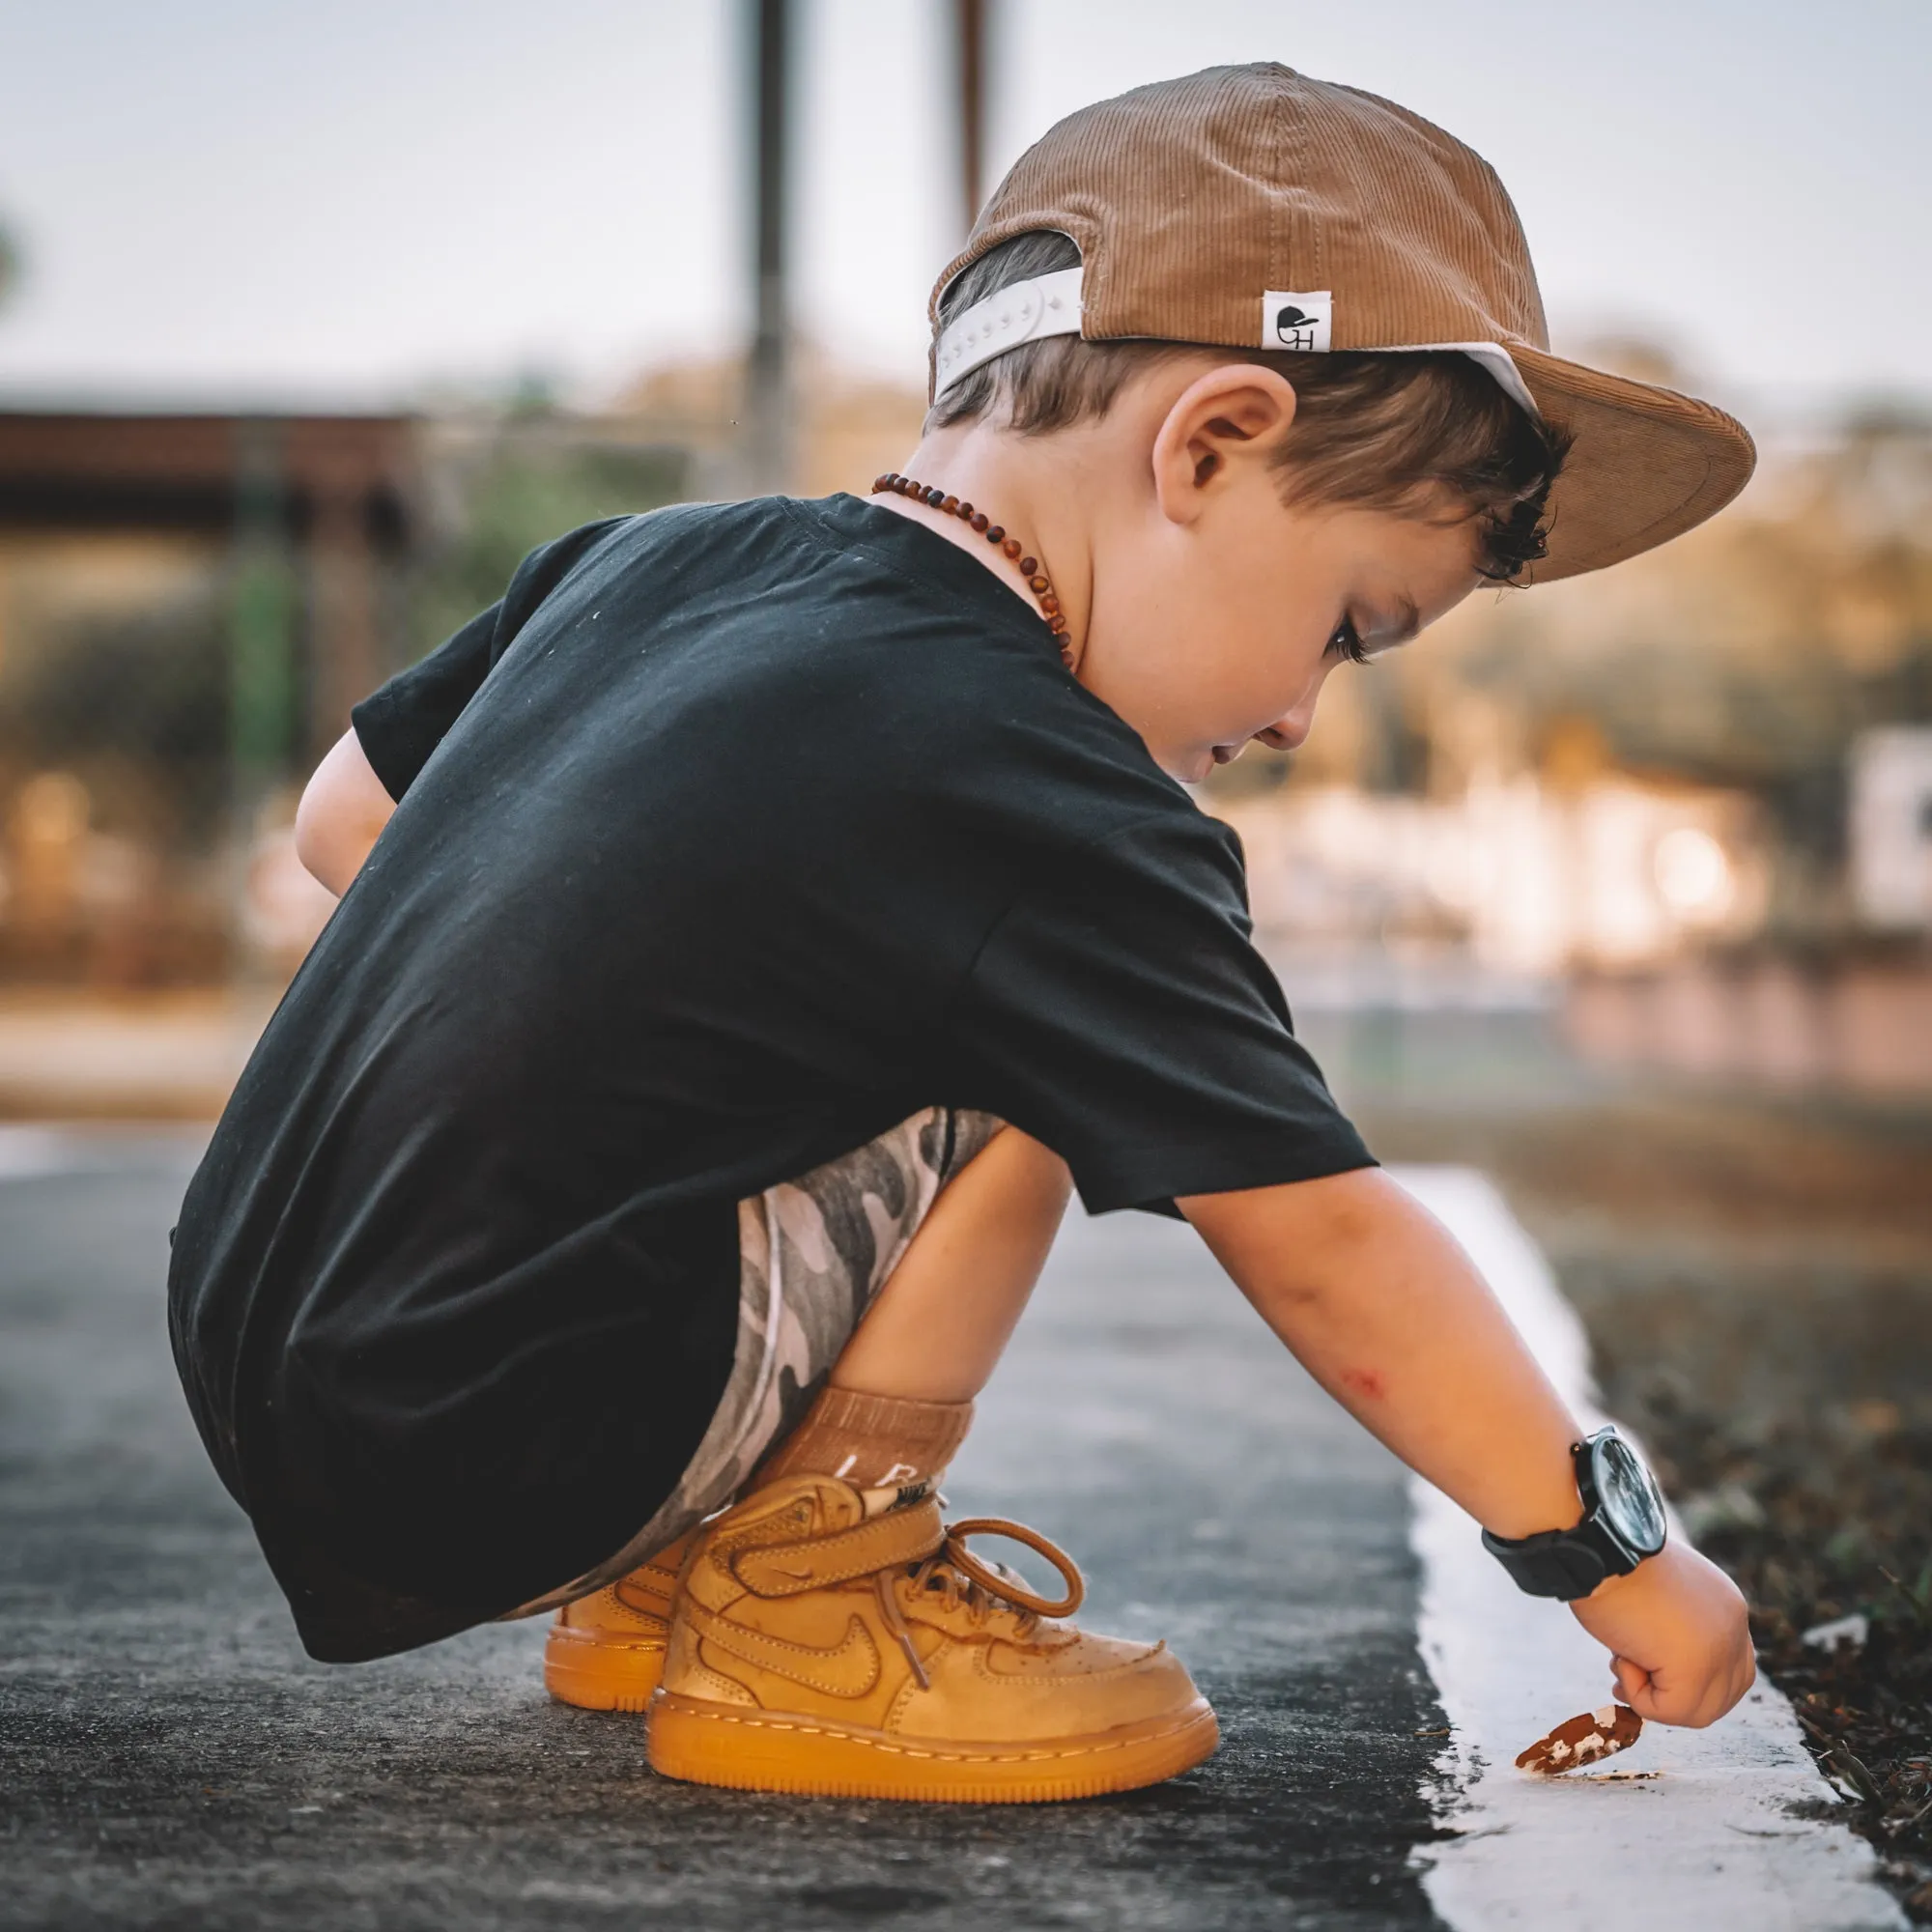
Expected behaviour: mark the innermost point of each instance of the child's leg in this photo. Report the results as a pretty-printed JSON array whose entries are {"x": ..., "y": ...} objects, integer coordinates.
[
  {"x": 937, "y": 1329},
  {"x": 900, "y": 1398}
]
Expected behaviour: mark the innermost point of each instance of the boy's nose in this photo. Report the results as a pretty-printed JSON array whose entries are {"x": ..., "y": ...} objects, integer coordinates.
[{"x": 1290, "y": 729}]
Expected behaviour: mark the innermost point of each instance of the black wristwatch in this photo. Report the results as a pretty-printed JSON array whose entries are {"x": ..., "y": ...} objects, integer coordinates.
[{"x": 1623, "y": 1524}]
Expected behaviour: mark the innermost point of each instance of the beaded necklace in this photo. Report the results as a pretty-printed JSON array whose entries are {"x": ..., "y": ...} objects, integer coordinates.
[{"x": 1036, "y": 578}]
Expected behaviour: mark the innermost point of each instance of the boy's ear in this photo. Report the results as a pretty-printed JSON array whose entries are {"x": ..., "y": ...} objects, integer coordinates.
[{"x": 1235, "y": 415}]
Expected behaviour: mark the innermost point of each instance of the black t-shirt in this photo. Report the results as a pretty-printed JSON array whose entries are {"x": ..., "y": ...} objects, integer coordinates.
[{"x": 731, "y": 836}]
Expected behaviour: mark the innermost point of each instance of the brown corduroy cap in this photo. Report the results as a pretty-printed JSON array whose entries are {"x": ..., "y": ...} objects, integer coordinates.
[{"x": 1251, "y": 207}]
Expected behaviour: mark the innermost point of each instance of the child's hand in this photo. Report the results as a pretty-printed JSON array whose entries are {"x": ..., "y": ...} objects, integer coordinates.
[{"x": 1678, "y": 1636}]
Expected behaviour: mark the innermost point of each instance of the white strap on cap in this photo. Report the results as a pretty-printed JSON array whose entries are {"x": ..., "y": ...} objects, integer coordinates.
[
  {"x": 1020, "y": 312},
  {"x": 1050, "y": 305}
]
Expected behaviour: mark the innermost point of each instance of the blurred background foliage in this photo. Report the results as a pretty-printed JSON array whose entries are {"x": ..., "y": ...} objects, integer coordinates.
[{"x": 515, "y": 486}]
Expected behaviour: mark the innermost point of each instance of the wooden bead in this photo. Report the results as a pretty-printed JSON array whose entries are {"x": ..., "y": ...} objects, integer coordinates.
[{"x": 1038, "y": 581}]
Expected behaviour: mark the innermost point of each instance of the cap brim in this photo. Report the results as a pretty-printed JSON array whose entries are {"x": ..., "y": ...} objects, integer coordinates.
[{"x": 1645, "y": 463}]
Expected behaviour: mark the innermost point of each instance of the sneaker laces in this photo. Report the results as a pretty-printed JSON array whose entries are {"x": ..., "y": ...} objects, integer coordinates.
[{"x": 980, "y": 1588}]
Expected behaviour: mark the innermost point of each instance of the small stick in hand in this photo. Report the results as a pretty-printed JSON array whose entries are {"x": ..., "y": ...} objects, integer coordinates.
[{"x": 1583, "y": 1740}]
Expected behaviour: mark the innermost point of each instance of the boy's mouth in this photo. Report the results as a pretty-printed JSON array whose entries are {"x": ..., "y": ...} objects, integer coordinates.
[{"x": 1226, "y": 754}]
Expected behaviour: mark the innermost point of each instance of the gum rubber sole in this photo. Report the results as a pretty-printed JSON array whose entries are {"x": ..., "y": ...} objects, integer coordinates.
[
  {"x": 601, "y": 1676},
  {"x": 762, "y": 1750}
]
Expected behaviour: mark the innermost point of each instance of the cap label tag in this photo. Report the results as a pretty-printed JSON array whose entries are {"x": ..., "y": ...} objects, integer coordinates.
[{"x": 1297, "y": 319}]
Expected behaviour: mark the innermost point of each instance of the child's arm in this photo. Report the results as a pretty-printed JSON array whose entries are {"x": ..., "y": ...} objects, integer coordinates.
[
  {"x": 1389, "y": 1316},
  {"x": 342, "y": 813}
]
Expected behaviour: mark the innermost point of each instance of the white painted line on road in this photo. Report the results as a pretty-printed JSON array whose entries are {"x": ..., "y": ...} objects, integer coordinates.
[{"x": 1715, "y": 1835}]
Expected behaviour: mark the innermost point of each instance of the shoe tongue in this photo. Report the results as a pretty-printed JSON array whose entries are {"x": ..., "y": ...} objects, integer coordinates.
[
  {"x": 834, "y": 1504},
  {"x": 902, "y": 1496}
]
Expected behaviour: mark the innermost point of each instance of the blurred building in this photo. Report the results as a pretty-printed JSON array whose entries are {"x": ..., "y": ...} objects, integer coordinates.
[
  {"x": 1892, "y": 828},
  {"x": 188, "y": 607},
  {"x": 190, "y": 604},
  {"x": 1527, "y": 879}
]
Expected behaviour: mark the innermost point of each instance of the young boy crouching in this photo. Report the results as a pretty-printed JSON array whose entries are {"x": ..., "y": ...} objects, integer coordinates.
[{"x": 786, "y": 903}]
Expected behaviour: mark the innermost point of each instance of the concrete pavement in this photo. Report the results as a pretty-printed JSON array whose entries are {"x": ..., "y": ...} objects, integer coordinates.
[{"x": 168, "y": 1759}]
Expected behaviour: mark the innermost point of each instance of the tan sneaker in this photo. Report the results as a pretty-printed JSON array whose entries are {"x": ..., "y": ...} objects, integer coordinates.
[
  {"x": 606, "y": 1652},
  {"x": 823, "y": 1643}
]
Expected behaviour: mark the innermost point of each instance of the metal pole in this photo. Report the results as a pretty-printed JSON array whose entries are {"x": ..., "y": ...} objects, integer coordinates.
[
  {"x": 343, "y": 597},
  {"x": 970, "y": 26},
  {"x": 768, "y": 386},
  {"x": 261, "y": 688},
  {"x": 261, "y": 656}
]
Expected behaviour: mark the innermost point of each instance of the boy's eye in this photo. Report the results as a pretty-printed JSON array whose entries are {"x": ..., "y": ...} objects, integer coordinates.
[{"x": 1346, "y": 642}]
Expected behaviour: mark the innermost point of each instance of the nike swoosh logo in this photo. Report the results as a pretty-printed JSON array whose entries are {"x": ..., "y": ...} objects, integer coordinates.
[{"x": 847, "y": 1668}]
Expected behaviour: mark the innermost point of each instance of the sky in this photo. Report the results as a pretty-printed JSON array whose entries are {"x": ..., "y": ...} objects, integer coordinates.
[{"x": 369, "y": 202}]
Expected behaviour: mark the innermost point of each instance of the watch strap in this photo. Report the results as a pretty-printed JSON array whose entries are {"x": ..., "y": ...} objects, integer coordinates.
[{"x": 1561, "y": 1563}]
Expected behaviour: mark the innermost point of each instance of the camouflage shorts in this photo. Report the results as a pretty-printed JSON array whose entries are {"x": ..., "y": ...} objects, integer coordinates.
[{"x": 811, "y": 1255}]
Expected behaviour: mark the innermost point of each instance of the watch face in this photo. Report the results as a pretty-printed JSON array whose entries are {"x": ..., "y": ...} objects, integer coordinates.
[{"x": 1631, "y": 1503}]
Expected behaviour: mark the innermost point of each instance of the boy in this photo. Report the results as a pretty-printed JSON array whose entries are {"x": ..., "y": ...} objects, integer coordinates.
[{"x": 786, "y": 903}]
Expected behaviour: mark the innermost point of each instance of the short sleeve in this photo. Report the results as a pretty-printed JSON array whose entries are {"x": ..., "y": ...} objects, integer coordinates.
[
  {"x": 1121, "y": 1015},
  {"x": 401, "y": 724}
]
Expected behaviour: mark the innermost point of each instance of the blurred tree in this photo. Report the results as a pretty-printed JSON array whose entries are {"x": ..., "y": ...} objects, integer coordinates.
[
  {"x": 1748, "y": 655},
  {"x": 535, "y": 480},
  {"x": 135, "y": 703}
]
